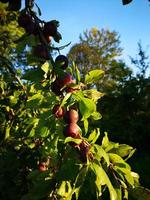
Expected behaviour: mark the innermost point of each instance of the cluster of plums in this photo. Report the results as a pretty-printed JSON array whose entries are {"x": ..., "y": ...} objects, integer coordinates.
[
  {"x": 45, "y": 30},
  {"x": 72, "y": 129}
]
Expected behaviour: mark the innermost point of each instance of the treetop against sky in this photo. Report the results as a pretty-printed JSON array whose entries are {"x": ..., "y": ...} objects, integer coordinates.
[{"x": 130, "y": 21}]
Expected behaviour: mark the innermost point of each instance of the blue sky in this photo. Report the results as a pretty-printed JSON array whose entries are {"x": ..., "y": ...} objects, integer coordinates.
[{"x": 132, "y": 22}]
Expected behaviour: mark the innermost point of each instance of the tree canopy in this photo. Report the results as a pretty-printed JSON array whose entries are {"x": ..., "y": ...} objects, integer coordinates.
[{"x": 100, "y": 49}]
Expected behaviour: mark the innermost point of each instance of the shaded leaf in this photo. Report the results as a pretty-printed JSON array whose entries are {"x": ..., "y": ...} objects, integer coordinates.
[{"x": 140, "y": 193}]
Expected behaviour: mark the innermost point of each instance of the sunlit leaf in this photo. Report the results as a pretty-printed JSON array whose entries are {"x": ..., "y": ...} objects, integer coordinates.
[
  {"x": 103, "y": 179},
  {"x": 94, "y": 135},
  {"x": 70, "y": 139},
  {"x": 87, "y": 107},
  {"x": 93, "y": 76},
  {"x": 93, "y": 94}
]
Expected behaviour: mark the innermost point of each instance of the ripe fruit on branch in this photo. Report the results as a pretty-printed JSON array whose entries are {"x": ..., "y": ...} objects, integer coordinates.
[
  {"x": 50, "y": 28},
  {"x": 58, "y": 111},
  {"x": 42, "y": 167},
  {"x": 71, "y": 116},
  {"x": 66, "y": 80},
  {"x": 61, "y": 61},
  {"x": 25, "y": 21},
  {"x": 72, "y": 130},
  {"x": 41, "y": 51}
]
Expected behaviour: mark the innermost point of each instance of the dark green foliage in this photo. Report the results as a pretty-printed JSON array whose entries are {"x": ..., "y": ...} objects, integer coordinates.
[{"x": 126, "y": 113}]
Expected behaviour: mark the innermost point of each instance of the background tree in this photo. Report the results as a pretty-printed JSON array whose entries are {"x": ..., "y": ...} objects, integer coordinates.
[
  {"x": 100, "y": 49},
  {"x": 126, "y": 113}
]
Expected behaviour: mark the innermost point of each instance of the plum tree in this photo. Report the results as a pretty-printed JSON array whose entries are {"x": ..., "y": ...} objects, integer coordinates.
[{"x": 30, "y": 132}]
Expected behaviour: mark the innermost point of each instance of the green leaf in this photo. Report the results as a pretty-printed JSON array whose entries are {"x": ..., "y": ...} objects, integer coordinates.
[
  {"x": 70, "y": 139},
  {"x": 12, "y": 100},
  {"x": 65, "y": 190},
  {"x": 130, "y": 154},
  {"x": 93, "y": 76},
  {"x": 34, "y": 75},
  {"x": 96, "y": 116},
  {"x": 44, "y": 131},
  {"x": 86, "y": 125},
  {"x": 122, "y": 150},
  {"x": 105, "y": 141},
  {"x": 117, "y": 186},
  {"x": 99, "y": 153},
  {"x": 7, "y": 132},
  {"x": 80, "y": 180},
  {"x": 124, "y": 188},
  {"x": 103, "y": 179},
  {"x": 39, "y": 190},
  {"x": 87, "y": 107},
  {"x": 140, "y": 193},
  {"x": 36, "y": 96},
  {"x": 93, "y": 94},
  {"x": 77, "y": 72},
  {"x": 45, "y": 68},
  {"x": 69, "y": 169},
  {"x": 121, "y": 167},
  {"x": 64, "y": 101},
  {"x": 94, "y": 135},
  {"x": 136, "y": 178},
  {"x": 107, "y": 145},
  {"x": 118, "y": 161},
  {"x": 35, "y": 101}
]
